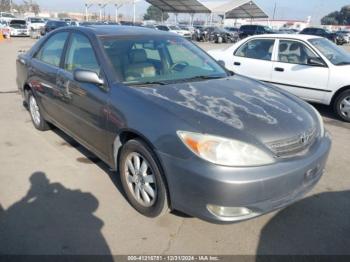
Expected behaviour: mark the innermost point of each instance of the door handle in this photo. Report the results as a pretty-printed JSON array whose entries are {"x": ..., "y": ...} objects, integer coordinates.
[
  {"x": 237, "y": 63},
  {"x": 279, "y": 69}
]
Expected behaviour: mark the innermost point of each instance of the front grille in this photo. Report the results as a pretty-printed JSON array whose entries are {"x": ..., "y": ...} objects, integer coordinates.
[{"x": 294, "y": 146}]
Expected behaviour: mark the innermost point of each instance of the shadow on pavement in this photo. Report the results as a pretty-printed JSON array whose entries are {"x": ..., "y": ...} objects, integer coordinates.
[
  {"x": 317, "y": 225},
  {"x": 52, "y": 219}
]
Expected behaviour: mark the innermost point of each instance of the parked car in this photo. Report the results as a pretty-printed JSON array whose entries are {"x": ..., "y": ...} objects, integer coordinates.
[
  {"x": 53, "y": 25},
  {"x": 5, "y": 29},
  {"x": 319, "y": 32},
  {"x": 6, "y": 17},
  {"x": 183, "y": 132},
  {"x": 220, "y": 35},
  {"x": 342, "y": 37},
  {"x": 310, "y": 67},
  {"x": 35, "y": 23},
  {"x": 175, "y": 29},
  {"x": 288, "y": 31},
  {"x": 199, "y": 34},
  {"x": 188, "y": 28},
  {"x": 250, "y": 30},
  {"x": 19, "y": 27}
]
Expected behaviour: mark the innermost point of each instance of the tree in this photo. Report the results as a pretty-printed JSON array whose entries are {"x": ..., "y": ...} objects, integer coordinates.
[
  {"x": 5, "y": 5},
  {"x": 341, "y": 17},
  {"x": 154, "y": 13},
  {"x": 62, "y": 15}
]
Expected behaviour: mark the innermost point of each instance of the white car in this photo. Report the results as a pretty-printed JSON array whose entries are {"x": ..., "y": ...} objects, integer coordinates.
[
  {"x": 175, "y": 29},
  {"x": 35, "y": 23},
  {"x": 310, "y": 67},
  {"x": 19, "y": 27},
  {"x": 6, "y": 17}
]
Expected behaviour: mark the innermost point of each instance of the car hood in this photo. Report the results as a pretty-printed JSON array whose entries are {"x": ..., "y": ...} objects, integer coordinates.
[{"x": 235, "y": 107}]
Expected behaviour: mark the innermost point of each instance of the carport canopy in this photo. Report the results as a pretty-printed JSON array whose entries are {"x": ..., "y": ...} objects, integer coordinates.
[
  {"x": 180, "y": 6},
  {"x": 230, "y": 8}
]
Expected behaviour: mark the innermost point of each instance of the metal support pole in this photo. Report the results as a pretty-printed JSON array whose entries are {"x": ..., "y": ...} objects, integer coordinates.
[
  {"x": 134, "y": 18},
  {"x": 86, "y": 13},
  {"x": 100, "y": 12},
  {"x": 116, "y": 13}
]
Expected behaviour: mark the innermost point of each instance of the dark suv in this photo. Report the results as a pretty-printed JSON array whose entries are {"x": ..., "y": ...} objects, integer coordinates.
[
  {"x": 319, "y": 32},
  {"x": 249, "y": 30},
  {"x": 52, "y": 25}
]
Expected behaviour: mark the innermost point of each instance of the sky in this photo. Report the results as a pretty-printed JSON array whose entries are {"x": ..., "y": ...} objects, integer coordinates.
[{"x": 285, "y": 9}]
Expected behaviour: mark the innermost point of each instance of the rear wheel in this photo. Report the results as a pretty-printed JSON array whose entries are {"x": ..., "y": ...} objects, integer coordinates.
[
  {"x": 342, "y": 105},
  {"x": 35, "y": 113},
  {"x": 142, "y": 179}
]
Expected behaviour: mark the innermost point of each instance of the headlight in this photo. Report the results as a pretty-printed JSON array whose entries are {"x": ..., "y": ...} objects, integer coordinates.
[
  {"x": 320, "y": 122},
  {"x": 223, "y": 151}
]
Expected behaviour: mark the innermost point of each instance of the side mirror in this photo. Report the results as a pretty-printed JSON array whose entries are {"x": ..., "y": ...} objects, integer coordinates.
[
  {"x": 315, "y": 62},
  {"x": 222, "y": 63},
  {"x": 88, "y": 77}
]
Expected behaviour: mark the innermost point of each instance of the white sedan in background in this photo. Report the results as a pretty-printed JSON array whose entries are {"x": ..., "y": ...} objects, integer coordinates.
[{"x": 310, "y": 67}]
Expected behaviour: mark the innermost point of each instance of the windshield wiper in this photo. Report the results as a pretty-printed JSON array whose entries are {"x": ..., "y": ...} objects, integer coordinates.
[
  {"x": 343, "y": 63},
  {"x": 162, "y": 83},
  {"x": 202, "y": 78}
]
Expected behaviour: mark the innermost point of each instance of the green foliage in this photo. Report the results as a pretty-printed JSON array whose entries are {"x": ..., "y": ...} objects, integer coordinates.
[
  {"x": 62, "y": 15},
  {"x": 341, "y": 17},
  {"x": 154, "y": 13}
]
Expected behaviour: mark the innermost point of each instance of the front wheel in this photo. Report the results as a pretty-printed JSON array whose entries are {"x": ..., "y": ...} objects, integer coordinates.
[
  {"x": 35, "y": 113},
  {"x": 342, "y": 106},
  {"x": 142, "y": 179}
]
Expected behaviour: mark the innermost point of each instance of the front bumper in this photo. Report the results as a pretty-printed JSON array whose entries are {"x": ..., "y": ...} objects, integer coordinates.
[
  {"x": 20, "y": 33},
  {"x": 194, "y": 184}
]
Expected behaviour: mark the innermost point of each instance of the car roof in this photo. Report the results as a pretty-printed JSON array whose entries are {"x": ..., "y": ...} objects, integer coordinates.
[
  {"x": 297, "y": 36},
  {"x": 119, "y": 30}
]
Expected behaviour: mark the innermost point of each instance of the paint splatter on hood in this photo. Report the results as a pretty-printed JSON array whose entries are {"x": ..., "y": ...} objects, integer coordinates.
[{"x": 237, "y": 102}]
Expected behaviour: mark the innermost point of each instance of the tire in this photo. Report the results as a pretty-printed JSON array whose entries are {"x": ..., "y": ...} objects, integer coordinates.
[
  {"x": 342, "y": 105},
  {"x": 143, "y": 181},
  {"x": 36, "y": 113}
]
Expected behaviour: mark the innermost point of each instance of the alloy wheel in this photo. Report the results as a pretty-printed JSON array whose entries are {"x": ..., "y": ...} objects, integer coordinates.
[
  {"x": 140, "y": 179},
  {"x": 345, "y": 107},
  {"x": 34, "y": 110}
]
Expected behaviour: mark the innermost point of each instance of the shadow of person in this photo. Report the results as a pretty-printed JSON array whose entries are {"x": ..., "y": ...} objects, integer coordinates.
[
  {"x": 317, "y": 225},
  {"x": 52, "y": 219}
]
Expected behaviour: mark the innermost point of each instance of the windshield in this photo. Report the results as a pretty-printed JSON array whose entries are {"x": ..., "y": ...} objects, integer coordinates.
[
  {"x": 141, "y": 60},
  {"x": 7, "y": 15},
  {"x": 36, "y": 20},
  {"x": 268, "y": 29},
  {"x": 18, "y": 22},
  {"x": 174, "y": 28},
  {"x": 335, "y": 54}
]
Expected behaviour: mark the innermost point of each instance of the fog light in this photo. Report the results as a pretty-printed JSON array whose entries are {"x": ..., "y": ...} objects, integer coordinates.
[{"x": 229, "y": 211}]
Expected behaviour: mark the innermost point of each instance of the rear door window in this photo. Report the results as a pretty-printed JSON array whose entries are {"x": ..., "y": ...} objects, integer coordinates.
[
  {"x": 257, "y": 49},
  {"x": 51, "y": 51}
]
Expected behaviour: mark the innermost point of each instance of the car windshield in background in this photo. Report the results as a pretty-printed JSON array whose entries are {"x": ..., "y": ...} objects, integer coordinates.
[
  {"x": 336, "y": 55},
  {"x": 18, "y": 22},
  {"x": 163, "y": 60},
  {"x": 58, "y": 23},
  {"x": 268, "y": 29},
  {"x": 36, "y": 20}
]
